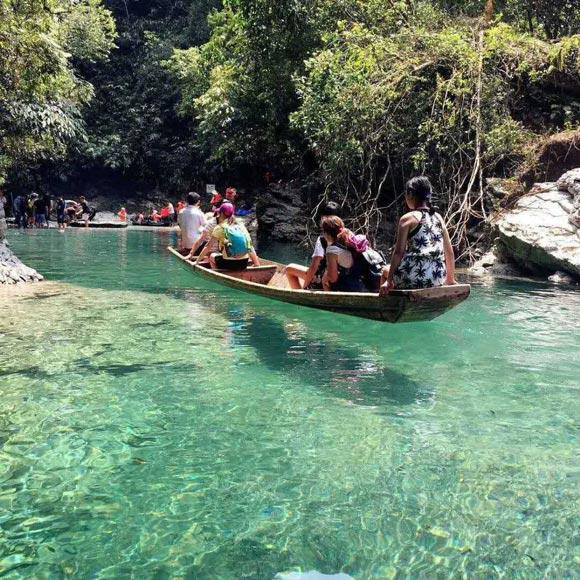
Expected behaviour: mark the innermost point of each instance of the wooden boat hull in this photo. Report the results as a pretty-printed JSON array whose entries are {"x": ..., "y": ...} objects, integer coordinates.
[
  {"x": 397, "y": 306},
  {"x": 102, "y": 225}
]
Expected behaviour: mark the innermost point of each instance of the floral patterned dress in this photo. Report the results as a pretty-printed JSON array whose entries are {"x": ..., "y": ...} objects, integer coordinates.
[{"x": 423, "y": 265}]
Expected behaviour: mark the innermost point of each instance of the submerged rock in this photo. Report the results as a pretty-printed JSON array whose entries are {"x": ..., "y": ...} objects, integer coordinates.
[{"x": 538, "y": 234}]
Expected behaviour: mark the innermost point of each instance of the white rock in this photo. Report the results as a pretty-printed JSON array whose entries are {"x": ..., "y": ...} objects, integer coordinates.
[
  {"x": 538, "y": 234},
  {"x": 561, "y": 278},
  {"x": 570, "y": 182},
  {"x": 478, "y": 271}
]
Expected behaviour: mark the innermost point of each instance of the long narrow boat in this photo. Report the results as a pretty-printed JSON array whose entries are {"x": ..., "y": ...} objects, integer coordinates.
[
  {"x": 269, "y": 280},
  {"x": 101, "y": 225}
]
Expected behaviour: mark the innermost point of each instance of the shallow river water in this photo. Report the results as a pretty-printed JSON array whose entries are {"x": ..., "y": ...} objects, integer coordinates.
[{"x": 154, "y": 425}]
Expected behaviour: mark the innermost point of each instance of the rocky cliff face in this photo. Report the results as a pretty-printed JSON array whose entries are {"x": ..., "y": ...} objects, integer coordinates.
[{"x": 281, "y": 214}]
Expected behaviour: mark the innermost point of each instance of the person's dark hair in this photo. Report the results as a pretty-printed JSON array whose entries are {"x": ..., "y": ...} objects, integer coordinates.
[
  {"x": 421, "y": 189},
  {"x": 193, "y": 198},
  {"x": 330, "y": 209}
]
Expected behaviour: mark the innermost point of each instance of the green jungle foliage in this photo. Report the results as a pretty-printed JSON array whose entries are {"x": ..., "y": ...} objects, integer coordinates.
[
  {"x": 353, "y": 96},
  {"x": 42, "y": 96}
]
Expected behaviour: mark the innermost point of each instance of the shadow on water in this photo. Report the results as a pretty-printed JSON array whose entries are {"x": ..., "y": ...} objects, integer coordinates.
[{"x": 341, "y": 370}]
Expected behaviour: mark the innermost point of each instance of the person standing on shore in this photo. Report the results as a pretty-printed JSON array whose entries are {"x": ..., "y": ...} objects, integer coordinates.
[
  {"x": 60, "y": 213},
  {"x": 20, "y": 206}
]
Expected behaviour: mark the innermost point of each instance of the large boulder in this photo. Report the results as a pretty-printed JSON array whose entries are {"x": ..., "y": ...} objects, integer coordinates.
[
  {"x": 282, "y": 214},
  {"x": 538, "y": 234},
  {"x": 12, "y": 270},
  {"x": 570, "y": 182}
]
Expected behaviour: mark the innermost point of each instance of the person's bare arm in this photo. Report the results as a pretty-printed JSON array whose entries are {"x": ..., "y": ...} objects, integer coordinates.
[
  {"x": 254, "y": 257},
  {"x": 311, "y": 272},
  {"x": 449, "y": 255},
  {"x": 405, "y": 224}
]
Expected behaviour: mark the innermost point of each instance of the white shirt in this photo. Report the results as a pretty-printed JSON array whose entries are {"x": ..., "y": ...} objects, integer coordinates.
[
  {"x": 318, "y": 249},
  {"x": 191, "y": 221},
  {"x": 344, "y": 256}
]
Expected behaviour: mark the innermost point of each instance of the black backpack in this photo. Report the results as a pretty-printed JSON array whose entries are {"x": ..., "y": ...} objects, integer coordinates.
[{"x": 371, "y": 263}]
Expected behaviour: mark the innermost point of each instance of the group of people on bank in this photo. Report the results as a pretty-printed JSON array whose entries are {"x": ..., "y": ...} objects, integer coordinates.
[
  {"x": 35, "y": 211},
  {"x": 342, "y": 261}
]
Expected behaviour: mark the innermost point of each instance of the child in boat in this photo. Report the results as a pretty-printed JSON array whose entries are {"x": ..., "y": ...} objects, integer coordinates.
[
  {"x": 233, "y": 241},
  {"x": 423, "y": 255},
  {"x": 343, "y": 272},
  {"x": 300, "y": 277}
]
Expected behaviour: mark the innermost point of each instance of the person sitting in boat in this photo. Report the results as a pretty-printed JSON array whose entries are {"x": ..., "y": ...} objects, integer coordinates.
[
  {"x": 231, "y": 195},
  {"x": 423, "y": 256},
  {"x": 166, "y": 214},
  {"x": 216, "y": 201},
  {"x": 179, "y": 207},
  {"x": 123, "y": 215},
  {"x": 310, "y": 278},
  {"x": 191, "y": 222},
  {"x": 343, "y": 272},
  {"x": 155, "y": 217},
  {"x": 233, "y": 242}
]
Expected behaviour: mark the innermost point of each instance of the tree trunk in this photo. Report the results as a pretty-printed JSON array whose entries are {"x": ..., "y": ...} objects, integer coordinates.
[{"x": 12, "y": 270}]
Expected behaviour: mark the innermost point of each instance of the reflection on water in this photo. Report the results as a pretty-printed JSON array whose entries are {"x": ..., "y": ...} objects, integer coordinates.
[
  {"x": 341, "y": 370},
  {"x": 154, "y": 425}
]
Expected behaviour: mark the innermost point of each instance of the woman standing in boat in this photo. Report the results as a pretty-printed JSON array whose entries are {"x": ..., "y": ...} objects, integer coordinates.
[{"x": 423, "y": 255}]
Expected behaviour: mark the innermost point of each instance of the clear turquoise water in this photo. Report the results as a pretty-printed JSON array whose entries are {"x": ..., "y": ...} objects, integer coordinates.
[{"x": 154, "y": 425}]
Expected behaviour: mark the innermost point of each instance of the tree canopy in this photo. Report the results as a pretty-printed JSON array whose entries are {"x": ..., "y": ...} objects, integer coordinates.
[{"x": 353, "y": 96}]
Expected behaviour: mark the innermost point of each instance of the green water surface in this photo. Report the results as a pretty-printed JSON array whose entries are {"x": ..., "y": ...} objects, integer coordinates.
[{"x": 154, "y": 425}]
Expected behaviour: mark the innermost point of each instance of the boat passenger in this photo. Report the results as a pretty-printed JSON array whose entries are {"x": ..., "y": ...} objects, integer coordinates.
[
  {"x": 180, "y": 206},
  {"x": 191, "y": 222},
  {"x": 216, "y": 201},
  {"x": 310, "y": 278},
  {"x": 155, "y": 216},
  {"x": 423, "y": 255},
  {"x": 231, "y": 195},
  {"x": 123, "y": 215},
  {"x": 343, "y": 272},
  {"x": 233, "y": 242},
  {"x": 166, "y": 215}
]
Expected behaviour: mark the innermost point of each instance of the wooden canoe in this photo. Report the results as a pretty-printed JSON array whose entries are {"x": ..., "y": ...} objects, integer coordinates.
[
  {"x": 102, "y": 225},
  {"x": 269, "y": 280}
]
